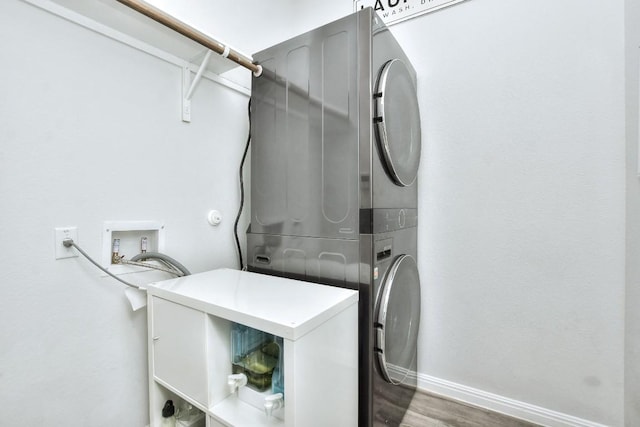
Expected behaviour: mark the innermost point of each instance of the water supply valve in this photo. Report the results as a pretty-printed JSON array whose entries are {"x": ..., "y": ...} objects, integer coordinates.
[
  {"x": 235, "y": 381},
  {"x": 272, "y": 403}
]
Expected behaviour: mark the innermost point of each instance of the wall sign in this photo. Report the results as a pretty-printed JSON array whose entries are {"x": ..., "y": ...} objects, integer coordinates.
[{"x": 393, "y": 11}]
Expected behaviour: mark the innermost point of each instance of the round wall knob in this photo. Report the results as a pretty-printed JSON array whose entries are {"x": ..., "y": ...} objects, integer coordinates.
[{"x": 214, "y": 217}]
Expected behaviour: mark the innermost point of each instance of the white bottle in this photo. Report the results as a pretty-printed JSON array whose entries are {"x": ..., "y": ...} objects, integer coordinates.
[{"x": 168, "y": 414}]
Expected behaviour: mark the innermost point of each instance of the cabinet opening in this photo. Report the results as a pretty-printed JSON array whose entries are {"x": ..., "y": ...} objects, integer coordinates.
[
  {"x": 259, "y": 356},
  {"x": 185, "y": 413}
]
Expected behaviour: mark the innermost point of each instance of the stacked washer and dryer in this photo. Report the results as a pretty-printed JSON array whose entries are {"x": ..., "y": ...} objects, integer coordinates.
[{"x": 335, "y": 154}]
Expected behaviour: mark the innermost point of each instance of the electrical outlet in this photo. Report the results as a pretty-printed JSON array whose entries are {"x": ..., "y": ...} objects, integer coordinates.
[{"x": 62, "y": 233}]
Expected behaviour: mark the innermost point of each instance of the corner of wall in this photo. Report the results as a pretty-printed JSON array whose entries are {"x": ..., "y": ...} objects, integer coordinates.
[{"x": 632, "y": 295}]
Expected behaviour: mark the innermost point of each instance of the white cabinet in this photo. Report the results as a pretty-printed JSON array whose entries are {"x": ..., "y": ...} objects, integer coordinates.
[
  {"x": 179, "y": 351},
  {"x": 190, "y": 322}
]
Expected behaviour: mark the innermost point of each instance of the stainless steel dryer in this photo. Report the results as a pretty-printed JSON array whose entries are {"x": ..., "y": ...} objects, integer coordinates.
[
  {"x": 336, "y": 131},
  {"x": 334, "y": 160},
  {"x": 396, "y": 318}
]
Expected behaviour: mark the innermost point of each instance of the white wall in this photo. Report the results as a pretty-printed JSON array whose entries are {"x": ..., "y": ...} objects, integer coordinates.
[
  {"x": 247, "y": 25},
  {"x": 90, "y": 131},
  {"x": 522, "y": 201},
  {"x": 632, "y": 360}
]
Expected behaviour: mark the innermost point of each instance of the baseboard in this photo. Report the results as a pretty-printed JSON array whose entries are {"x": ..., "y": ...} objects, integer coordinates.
[{"x": 503, "y": 405}]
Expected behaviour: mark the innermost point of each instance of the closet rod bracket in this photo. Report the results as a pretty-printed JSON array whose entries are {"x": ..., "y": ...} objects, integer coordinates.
[{"x": 189, "y": 86}]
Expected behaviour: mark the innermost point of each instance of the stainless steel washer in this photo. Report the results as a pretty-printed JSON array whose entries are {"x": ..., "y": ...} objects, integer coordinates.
[
  {"x": 396, "y": 321},
  {"x": 334, "y": 159}
]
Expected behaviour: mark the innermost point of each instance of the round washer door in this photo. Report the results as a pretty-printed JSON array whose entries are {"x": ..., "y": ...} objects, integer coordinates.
[
  {"x": 398, "y": 319},
  {"x": 397, "y": 118}
]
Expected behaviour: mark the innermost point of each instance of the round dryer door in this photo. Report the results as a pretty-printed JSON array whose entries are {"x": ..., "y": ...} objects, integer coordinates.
[
  {"x": 398, "y": 319},
  {"x": 398, "y": 122}
]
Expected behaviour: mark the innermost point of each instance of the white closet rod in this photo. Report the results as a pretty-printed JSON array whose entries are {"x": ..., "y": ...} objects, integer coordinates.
[{"x": 193, "y": 34}]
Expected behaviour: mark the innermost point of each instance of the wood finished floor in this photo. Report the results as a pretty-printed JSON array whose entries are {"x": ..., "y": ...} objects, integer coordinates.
[{"x": 429, "y": 410}]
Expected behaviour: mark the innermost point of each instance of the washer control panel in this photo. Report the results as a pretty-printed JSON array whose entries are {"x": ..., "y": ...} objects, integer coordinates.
[{"x": 385, "y": 220}]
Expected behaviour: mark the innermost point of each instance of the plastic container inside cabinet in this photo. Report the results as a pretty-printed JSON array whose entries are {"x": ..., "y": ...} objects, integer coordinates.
[
  {"x": 255, "y": 354},
  {"x": 188, "y": 416},
  {"x": 277, "y": 380}
]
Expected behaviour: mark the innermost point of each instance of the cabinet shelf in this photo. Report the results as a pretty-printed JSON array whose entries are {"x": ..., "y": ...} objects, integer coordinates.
[
  {"x": 236, "y": 412},
  {"x": 283, "y": 307}
]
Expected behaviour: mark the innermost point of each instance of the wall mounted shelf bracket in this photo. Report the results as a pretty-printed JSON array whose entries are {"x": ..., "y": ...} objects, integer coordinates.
[{"x": 189, "y": 86}]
